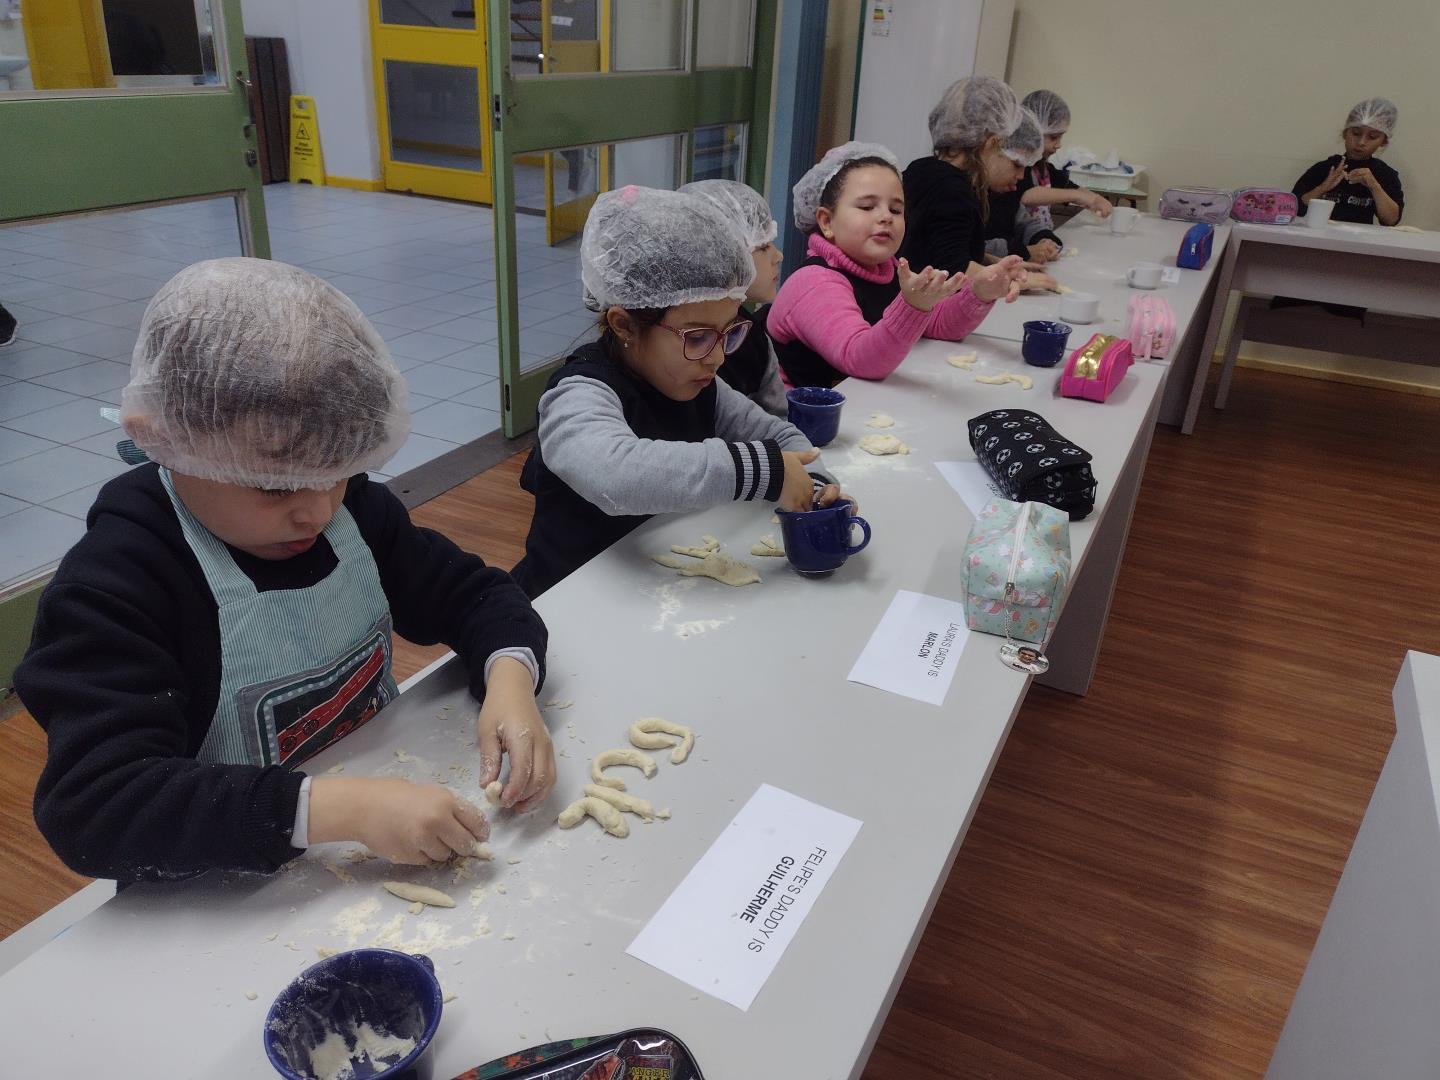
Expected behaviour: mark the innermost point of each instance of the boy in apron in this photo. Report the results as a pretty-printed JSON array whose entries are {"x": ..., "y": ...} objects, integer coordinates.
[{"x": 229, "y": 611}]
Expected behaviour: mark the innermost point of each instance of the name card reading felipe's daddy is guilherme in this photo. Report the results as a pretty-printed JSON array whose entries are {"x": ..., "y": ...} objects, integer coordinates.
[
  {"x": 725, "y": 927},
  {"x": 915, "y": 649}
]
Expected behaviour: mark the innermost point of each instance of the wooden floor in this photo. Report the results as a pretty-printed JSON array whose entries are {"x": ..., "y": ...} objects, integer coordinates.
[{"x": 1150, "y": 864}]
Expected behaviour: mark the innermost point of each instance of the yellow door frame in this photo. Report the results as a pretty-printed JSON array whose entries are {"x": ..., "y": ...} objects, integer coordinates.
[
  {"x": 565, "y": 220},
  {"x": 67, "y": 44},
  {"x": 452, "y": 48}
]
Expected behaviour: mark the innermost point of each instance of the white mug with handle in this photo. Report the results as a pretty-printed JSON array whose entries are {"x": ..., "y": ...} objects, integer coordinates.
[
  {"x": 1123, "y": 219},
  {"x": 1145, "y": 275}
]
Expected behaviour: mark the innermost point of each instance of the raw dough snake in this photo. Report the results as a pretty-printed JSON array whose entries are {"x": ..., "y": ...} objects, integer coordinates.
[
  {"x": 654, "y": 733},
  {"x": 629, "y": 804},
  {"x": 418, "y": 894},
  {"x": 1023, "y": 381},
  {"x": 623, "y": 756},
  {"x": 608, "y": 817}
]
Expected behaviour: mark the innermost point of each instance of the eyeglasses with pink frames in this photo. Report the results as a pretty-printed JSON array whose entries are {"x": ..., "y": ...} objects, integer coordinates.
[{"x": 700, "y": 341}]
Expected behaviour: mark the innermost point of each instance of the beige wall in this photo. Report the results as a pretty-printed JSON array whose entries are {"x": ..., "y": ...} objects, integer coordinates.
[{"x": 837, "y": 86}]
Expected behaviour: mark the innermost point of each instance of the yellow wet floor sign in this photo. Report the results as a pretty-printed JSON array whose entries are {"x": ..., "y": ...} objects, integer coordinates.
[{"x": 307, "y": 164}]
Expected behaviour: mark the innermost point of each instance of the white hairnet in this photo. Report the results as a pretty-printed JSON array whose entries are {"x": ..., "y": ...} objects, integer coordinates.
[
  {"x": 970, "y": 111},
  {"x": 647, "y": 248},
  {"x": 1026, "y": 144},
  {"x": 810, "y": 189},
  {"x": 1376, "y": 112},
  {"x": 740, "y": 202},
  {"x": 253, "y": 372},
  {"x": 1050, "y": 111}
]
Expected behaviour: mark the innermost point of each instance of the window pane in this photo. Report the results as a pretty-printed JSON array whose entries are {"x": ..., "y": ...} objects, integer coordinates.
[
  {"x": 719, "y": 152},
  {"x": 113, "y": 45},
  {"x": 434, "y": 112},
  {"x": 573, "y": 32},
  {"x": 723, "y": 39},
  {"x": 437, "y": 14},
  {"x": 648, "y": 35}
]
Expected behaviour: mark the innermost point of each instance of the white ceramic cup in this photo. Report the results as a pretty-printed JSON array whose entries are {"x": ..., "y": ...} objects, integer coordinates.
[
  {"x": 1079, "y": 307},
  {"x": 1318, "y": 211},
  {"x": 1123, "y": 219},
  {"x": 1145, "y": 275}
]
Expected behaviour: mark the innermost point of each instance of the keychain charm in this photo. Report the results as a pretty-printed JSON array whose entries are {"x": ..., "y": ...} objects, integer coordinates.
[{"x": 1025, "y": 657}]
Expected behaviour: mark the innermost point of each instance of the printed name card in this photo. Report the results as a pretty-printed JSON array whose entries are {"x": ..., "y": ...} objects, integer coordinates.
[
  {"x": 725, "y": 927},
  {"x": 971, "y": 482},
  {"x": 916, "y": 648}
]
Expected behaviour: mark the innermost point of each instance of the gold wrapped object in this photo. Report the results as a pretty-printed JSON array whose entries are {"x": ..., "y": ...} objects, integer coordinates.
[{"x": 1087, "y": 364}]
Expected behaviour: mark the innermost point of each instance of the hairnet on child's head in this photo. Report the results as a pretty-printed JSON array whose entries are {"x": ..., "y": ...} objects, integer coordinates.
[
  {"x": 740, "y": 202},
  {"x": 648, "y": 248},
  {"x": 1026, "y": 144},
  {"x": 808, "y": 191},
  {"x": 253, "y": 372},
  {"x": 1376, "y": 112},
  {"x": 970, "y": 111},
  {"x": 1050, "y": 111}
]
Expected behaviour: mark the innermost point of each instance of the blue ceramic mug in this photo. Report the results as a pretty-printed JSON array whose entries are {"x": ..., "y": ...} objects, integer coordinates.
[
  {"x": 395, "y": 993},
  {"x": 818, "y": 541},
  {"x": 815, "y": 410},
  {"x": 1044, "y": 343}
]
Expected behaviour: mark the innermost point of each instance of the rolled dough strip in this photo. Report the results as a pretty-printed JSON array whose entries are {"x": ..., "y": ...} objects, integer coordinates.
[
  {"x": 653, "y": 733},
  {"x": 708, "y": 546},
  {"x": 723, "y": 569},
  {"x": 767, "y": 545},
  {"x": 418, "y": 894},
  {"x": 1022, "y": 381},
  {"x": 609, "y": 818},
  {"x": 629, "y": 804},
  {"x": 623, "y": 756},
  {"x": 964, "y": 360},
  {"x": 670, "y": 561}
]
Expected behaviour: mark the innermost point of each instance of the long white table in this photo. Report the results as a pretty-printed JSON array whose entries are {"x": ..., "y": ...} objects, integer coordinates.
[
  {"x": 1099, "y": 269},
  {"x": 1340, "y": 263}
]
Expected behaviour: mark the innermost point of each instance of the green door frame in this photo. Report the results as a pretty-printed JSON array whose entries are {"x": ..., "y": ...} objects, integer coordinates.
[
  {"x": 76, "y": 152},
  {"x": 552, "y": 112}
]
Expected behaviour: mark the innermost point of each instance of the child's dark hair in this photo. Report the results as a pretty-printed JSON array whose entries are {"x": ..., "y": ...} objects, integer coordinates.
[
  {"x": 646, "y": 317},
  {"x": 830, "y": 194}
]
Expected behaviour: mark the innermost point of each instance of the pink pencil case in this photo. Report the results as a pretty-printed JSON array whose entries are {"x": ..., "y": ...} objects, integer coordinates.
[
  {"x": 1152, "y": 326},
  {"x": 1265, "y": 206},
  {"x": 1095, "y": 369}
]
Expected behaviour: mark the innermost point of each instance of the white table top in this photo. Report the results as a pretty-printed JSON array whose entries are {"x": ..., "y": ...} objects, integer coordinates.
[
  {"x": 1100, "y": 268},
  {"x": 1379, "y": 240},
  {"x": 160, "y": 973}
]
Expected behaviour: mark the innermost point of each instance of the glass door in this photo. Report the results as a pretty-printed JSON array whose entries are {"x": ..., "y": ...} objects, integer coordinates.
[
  {"x": 432, "y": 97},
  {"x": 651, "y": 92}
]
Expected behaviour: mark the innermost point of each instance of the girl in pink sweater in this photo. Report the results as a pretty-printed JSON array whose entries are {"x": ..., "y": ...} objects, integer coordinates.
[{"x": 852, "y": 308}]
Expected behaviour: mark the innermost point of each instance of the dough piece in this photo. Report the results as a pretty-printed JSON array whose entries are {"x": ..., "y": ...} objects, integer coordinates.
[
  {"x": 623, "y": 756},
  {"x": 1063, "y": 290},
  {"x": 484, "y": 851},
  {"x": 250, "y": 995},
  {"x": 492, "y": 792},
  {"x": 767, "y": 545},
  {"x": 723, "y": 569},
  {"x": 671, "y": 561},
  {"x": 1071, "y": 252},
  {"x": 416, "y": 908},
  {"x": 628, "y": 804},
  {"x": 609, "y": 818},
  {"x": 964, "y": 360},
  {"x": 324, "y": 952},
  {"x": 880, "y": 420},
  {"x": 1406, "y": 228},
  {"x": 708, "y": 546},
  {"x": 557, "y": 703},
  {"x": 880, "y": 445},
  {"x": 422, "y": 894},
  {"x": 653, "y": 733},
  {"x": 1022, "y": 381}
]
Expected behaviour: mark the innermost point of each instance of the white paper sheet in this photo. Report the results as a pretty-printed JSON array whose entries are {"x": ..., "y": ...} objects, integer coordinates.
[
  {"x": 971, "y": 482},
  {"x": 725, "y": 927},
  {"x": 916, "y": 648}
]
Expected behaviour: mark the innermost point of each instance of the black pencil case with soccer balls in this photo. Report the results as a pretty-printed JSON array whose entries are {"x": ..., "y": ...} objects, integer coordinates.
[{"x": 1032, "y": 462}]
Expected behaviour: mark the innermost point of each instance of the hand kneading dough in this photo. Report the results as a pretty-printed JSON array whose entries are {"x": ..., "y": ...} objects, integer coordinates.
[
  {"x": 880, "y": 420},
  {"x": 608, "y": 817},
  {"x": 418, "y": 894},
  {"x": 879, "y": 445}
]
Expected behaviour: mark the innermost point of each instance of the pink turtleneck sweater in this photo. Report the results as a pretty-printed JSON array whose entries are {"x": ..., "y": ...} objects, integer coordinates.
[{"x": 817, "y": 306}]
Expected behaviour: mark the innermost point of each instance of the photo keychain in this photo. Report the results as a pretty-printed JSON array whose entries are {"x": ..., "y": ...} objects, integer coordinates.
[{"x": 1020, "y": 655}]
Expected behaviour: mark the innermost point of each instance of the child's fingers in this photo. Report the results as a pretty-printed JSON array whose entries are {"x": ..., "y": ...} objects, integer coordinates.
[
  {"x": 490, "y": 752},
  {"x": 522, "y": 763},
  {"x": 807, "y": 456},
  {"x": 472, "y": 820}
]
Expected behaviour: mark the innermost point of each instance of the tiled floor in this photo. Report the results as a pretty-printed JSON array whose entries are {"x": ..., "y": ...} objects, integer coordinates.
[{"x": 421, "y": 269}]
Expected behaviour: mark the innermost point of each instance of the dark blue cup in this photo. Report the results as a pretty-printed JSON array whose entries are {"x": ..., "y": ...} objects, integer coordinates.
[
  {"x": 815, "y": 410},
  {"x": 818, "y": 541},
  {"x": 1044, "y": 343},
  {"x": 395, "y": 993}
]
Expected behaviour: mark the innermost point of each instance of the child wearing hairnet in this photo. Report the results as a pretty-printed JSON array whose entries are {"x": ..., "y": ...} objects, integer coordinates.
[
  {"x": 637, "y": 423},
  {"x": 852, "y": 308},
  {"x": 752, "y": 368},
  {"x": 228, "y": 612},
  {"x": 1022, "y": 213},
  {"x": 1363, "y": 188}
]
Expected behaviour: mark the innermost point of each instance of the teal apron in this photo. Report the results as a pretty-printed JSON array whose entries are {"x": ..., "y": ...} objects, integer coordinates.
[{"x": 299, "y": 668}]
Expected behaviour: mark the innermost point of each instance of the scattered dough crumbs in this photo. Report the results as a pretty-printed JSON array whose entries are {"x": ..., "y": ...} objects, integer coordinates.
[
  {"x": 251, "y": 995},
  {"x": 880, "y": 445},
  {"x": 880, "y": 420},
  {"x": 513, "y": 861}
]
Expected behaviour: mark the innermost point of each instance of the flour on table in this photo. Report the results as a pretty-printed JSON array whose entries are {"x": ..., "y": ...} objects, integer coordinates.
[
  {"x": 880, "y": 420},
  {"x": 767, "y": 545},
  {"x": 696, "y": 627},
  {"x": 881, "y": 445},
  {"x": 557, "y": 703}
]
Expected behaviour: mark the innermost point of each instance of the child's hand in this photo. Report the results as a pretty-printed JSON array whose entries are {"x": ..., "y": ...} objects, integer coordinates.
[
  {"x": 1097, "y": 204},
  {"x": 1043, "y": 252},
  {"x": 1005, "y": 278},
  {"x": 397, "y": 819},
  {"x": 509, "y": 723},
  {"x": 1035, "y": 282},
  {"x": 798, "y": 491},
  {"x": 830, "y": 494},
  {"x": 924, "y": 290},
  {"x": 1363, "y": 176},
  {"x": 1334, "y": 177}
]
